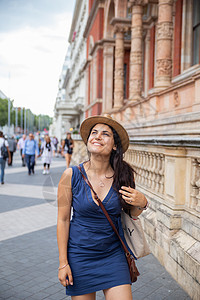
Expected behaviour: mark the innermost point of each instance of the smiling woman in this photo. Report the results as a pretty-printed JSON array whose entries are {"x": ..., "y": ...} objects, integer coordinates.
[{"x": 90, "y": 253}]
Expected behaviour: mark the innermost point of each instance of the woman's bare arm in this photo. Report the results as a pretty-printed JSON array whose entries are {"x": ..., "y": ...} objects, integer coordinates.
[{"x": 63, "y": 223}]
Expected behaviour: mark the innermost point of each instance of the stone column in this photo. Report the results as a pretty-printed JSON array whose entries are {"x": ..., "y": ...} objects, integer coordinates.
[
  {"x": 135, "y": 86},
  {"x": 164, "y": 44},
  {"x": 108, "y": 57},
  {"x": 119, "y": 67}
]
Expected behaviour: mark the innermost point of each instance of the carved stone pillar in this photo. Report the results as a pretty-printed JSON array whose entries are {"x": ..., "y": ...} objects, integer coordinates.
[
  {"x": 164, "y": 44},
  {"x": 119, "y": 67},
  {"x": 135, "y": 86},
  {"x": 108, "y": 57}
]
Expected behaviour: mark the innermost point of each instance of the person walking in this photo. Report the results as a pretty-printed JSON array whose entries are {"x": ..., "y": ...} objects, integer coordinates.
[
  {"x": 12, "y": 148},
  {"x": 47, "y": 151},
  {"x": 30, "y": 148},
  {"x": 67, "y": 148},
  {"x": 20, "y": 146},
  {"x": 3, "y": 143},
  {"x": 55, "y": 142},
  {"x": 90, "y": 254}
]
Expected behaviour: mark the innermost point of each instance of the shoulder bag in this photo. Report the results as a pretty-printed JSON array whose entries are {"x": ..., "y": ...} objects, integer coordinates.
[
  {"x": 134, "y": 273},
  {"x": 134, "y": 235}
]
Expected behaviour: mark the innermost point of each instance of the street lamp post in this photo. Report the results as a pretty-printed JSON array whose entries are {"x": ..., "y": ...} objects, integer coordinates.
[
  {"x": 25, "y": 120},
  {"x": 21, "y": 119},
  {"x": 8, "y": 116},
  {"x": 16, "y": 119}
]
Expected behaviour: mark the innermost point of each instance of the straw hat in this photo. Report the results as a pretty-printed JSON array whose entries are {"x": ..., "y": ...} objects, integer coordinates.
[{"x": 88, "y": 123}]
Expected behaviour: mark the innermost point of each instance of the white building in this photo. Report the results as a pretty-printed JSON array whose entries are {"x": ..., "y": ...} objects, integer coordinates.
[{"x": 69, "y": 106}]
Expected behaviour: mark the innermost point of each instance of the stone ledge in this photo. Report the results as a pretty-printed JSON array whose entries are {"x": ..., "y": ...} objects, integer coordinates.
[
  {"x": 185, "y": 251},
  {"x": 167, "y": 141}
]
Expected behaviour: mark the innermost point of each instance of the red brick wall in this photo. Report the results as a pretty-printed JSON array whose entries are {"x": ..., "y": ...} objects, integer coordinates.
[
  {"x": 152, "y": 56},
  {"x": 97, "y": 33},
  {"x": 177, "y": 38},
  {"x": 97, "y": 109},
  {"x": 89, "y": 84},
  {"x": 90, "y": 4},
  {"x": 97, "y": 28}
]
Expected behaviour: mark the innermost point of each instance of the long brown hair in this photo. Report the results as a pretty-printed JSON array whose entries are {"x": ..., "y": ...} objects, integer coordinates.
[{"x": 123, "y": 172}]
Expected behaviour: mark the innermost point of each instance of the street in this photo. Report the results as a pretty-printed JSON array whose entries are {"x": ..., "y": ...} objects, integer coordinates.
[{"x": 29, "y": 255}]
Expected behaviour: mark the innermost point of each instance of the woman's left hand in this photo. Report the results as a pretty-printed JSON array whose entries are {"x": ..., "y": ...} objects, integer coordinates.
[{"x": 133, "y": 197}]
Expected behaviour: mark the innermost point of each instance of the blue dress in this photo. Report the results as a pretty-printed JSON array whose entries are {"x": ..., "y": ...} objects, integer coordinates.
[{"x": 95, "y": 255}]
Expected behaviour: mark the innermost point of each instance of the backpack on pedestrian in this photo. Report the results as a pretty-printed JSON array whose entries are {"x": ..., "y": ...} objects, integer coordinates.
[{"x": 4, "y": 151}]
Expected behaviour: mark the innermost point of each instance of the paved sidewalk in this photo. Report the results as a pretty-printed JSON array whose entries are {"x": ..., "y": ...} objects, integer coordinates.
[{"x": 28, "y": 248}]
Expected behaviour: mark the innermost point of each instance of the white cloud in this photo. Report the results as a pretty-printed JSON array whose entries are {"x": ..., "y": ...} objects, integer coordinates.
[{"x": 34, "y": 59}]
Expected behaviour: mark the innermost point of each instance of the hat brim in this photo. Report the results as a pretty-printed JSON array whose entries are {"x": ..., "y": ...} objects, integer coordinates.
[{"x": 90, "y": 122}]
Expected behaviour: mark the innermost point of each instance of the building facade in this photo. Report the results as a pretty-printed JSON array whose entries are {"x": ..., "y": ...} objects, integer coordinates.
[
  {"x": 69, "y": 106},
  {"x": 143, "y": 68}
]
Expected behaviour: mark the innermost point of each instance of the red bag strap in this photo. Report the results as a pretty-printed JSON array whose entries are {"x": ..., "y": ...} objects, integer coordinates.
[{"x": 105, "y": 212}]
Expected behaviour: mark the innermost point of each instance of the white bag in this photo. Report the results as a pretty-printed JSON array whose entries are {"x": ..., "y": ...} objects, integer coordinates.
[{"x": 134, "y": 235}]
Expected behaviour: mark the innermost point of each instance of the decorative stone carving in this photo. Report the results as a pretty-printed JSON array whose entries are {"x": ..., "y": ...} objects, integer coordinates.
[
  {"x": 119, "y": 73},
  {"x": 164, "y": 67},
  {"x": 119, "y": 69},
  {"x": 137, "y": 2},
  {"x": 135, "y": 87},
  {"x": 195, "y": 185},
  {"x": 164, "y": 44},
  {"x": 164, "y": 31},
  {"x": 176, "y": 99},
  {"x": 164, "y": 2},
  {"x": 119, "y": 53},
  {"x": 121, "y": 28},
  {"x": 136, "y": 57},
  {"x": 136, "y": 31}
]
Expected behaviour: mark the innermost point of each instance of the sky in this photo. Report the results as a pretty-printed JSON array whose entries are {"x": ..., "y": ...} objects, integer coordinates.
[{"x": 33, "y": 44}]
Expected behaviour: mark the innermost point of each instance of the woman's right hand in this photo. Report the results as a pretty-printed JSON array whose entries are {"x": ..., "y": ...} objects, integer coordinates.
[{"x": 63, "y": 273}]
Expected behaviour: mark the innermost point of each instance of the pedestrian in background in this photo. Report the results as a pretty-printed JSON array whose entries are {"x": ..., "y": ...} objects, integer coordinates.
[
  {"x": 90, "y": 254},
  {"x": 12, "y": 147},
  {"x": 3, "y": 143},
  {"x": 29, "y": 151},
  {"x": 20, "y": 146},
  {"x": 67, "y": 148},
  {"x": 55, "y": 142},
  {"x": 47, "y": 151}
]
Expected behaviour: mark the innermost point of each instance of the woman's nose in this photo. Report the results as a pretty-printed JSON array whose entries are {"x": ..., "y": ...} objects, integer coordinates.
[{"x": 98, "y": 136}]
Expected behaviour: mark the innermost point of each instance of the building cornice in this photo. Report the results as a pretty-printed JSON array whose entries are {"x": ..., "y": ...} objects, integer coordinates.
[
  {"x": 98, "y": 100},
  {"x": 180, "y": 141},
  {"x": 75, "y": 17},
  {"x": 121, "y": 21},
  {"x": 96, "y": 5}
]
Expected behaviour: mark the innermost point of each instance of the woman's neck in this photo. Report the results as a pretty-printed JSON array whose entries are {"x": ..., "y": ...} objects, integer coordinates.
[{"x": 98, "y": 165}]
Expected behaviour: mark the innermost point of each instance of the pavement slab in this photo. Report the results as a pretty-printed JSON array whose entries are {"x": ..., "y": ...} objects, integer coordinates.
[{"x": 28, "y": 245}]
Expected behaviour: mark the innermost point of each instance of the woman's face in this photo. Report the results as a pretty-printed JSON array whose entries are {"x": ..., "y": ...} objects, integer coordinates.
[
  {"x": 48, "y": 139},
  {"x": 101, "y": 140}
]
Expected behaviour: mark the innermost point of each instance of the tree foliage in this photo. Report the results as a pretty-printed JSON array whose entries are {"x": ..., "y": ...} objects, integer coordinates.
[{"x": 33, "y": 122}]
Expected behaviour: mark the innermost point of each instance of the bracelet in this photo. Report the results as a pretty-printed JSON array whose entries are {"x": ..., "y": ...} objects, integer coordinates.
[
  {"x": 60, "y": 268},
  {"x": 145, "y": 207}
]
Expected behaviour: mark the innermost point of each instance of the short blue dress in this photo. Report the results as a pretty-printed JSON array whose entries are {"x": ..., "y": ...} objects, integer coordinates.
[{"x": 95, "y": 255}]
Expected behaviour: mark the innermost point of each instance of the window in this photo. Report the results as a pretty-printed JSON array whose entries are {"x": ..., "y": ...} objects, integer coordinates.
[
  {"x": 125, "y": 80},
  {"x": 196, "y": 32}
]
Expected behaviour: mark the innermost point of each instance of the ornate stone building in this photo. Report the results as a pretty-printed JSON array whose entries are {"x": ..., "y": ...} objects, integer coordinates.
[
  {"x": 143, "y": 68},
  {"x": 69, "y": 106}
]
